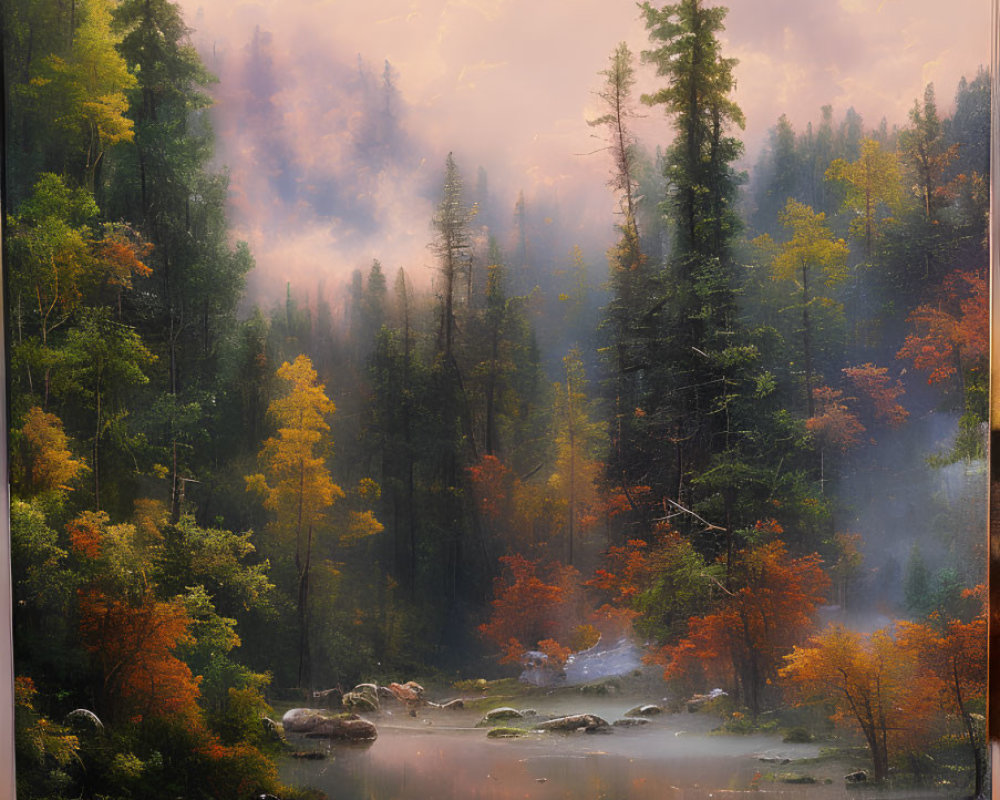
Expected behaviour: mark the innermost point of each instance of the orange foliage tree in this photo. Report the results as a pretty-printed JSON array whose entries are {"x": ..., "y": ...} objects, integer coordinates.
[
  {"x": 133, "y": 644},
  {"x": 767, "y": 608},
  {"x": 527, "y": 610},
  {"x": 949, "y": 337},
  {"x": 956, "y": 657},
  {"x": 655, "y": 586},
  {"x": 876, "y": 388},
  {"x": 834, "y": 424},
  {"x": 49, "y": 465},
  {"x": 872, "y": 681}
]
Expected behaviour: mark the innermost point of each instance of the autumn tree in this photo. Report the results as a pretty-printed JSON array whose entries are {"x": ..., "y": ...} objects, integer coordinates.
[
  {"x": 527, "y": 609},
  {"x": 50, "y": 240},
  {"x": 811, "y": 256},
  {"x": 48, "y": 465},
  {"x": 133, "y": 645},
  {"x": 873, "y": 189},
  {"x": 954, "y": 653},
  {"x": 299, "y": 489},
  {"x": 655, "y": 586},
  {"x": 873, "y": 683},
  {"x": 948, "y": 340},
  {"x": 765, "y": 611},
  {"x": 85, "y": 90},
  {"x": 879, "y": 392}
]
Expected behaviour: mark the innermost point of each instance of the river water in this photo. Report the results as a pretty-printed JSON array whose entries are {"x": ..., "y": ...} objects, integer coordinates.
[{"x": 441, "y": 755}]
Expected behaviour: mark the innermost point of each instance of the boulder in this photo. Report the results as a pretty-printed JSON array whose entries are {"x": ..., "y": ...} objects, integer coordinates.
[
  {"x": 407, "y": 692},
  {"x": 630, "y": 722},
  {"x": 857, "y": 777},
  {"x": 272, "y": 731},
  {"x": 300, "y": 720},
  {"x": 453, "y": 705},
  {"x": 648, "y": 710},
  {"x": 328, "y": 696},
  {"x": 357, "y": 701},
  {"x": 349, "y": 727},
  {"x": 315, "y": 724},
  {"x": 84, "y": 718},
  {"x": 574, "y": 722},
  {"x": 505, "y": 733},
  {"x": 698, "y": 700},
  {"x": 369, "y": 690},
  {"x": 504, "y": 712}
]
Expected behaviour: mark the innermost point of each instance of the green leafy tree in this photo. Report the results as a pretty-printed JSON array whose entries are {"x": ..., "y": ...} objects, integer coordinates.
[
  {"x": 811, "y": 256},
  {"x": 102, "y": 360}
]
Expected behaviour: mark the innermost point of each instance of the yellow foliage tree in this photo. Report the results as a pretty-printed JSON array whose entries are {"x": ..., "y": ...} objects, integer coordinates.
[
  {"x": 874, "y": 184},
  {"x": 49, "y": 464},
  {"x": 812, "y": 255},
  {"x": 87, "y": 90},
  {"x": 298, "y": 487}
]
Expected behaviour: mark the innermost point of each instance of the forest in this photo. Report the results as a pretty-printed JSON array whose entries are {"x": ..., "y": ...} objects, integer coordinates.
[{"x": 749, "y": 437}]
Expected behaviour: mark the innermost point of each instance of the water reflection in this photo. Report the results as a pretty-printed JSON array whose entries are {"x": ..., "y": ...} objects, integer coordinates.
[{"x": 443, "y": 757}]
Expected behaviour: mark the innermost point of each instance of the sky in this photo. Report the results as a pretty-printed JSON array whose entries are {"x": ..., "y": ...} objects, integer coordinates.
[{"x": 322, "y": 183}]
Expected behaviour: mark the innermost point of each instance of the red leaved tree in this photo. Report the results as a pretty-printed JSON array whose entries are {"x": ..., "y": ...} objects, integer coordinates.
[
  {"x": 528, "y": 610},
  {"x": 133, "y": 645},
  {"x": 956, "y": 657},
  {"x": 879, "y": 392},
  {"x": 949, "y": 337},
  {"x": 767, "y": 608}
]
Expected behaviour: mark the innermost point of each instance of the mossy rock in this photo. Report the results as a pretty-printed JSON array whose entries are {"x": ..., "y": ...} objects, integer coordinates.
[
  {"x": 505, "y": 733},
  {"x": 602, "y": 688},
  {"x": 798, "y": 736},
  {"x": 794, "y": 777}
]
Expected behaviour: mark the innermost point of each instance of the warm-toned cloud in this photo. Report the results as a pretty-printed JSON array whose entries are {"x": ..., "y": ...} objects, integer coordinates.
[{"x": 325, "y": 178}]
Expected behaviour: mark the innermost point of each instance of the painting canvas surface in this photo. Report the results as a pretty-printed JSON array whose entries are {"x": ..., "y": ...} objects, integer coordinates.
[{"x": 484, "y": 398}]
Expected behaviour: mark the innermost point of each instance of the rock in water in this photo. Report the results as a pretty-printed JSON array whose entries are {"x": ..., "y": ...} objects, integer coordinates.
[
  {"x": 351, "y": 730},
  {"x": 505, "y": 733},
  {"x": 453, "y": 705},
  {"x": 314, "y": 724},
  {"x": 644, "y": 711},
  {"x": 630, "y": 722},
  {"x": 356, "y": 701},
  {"x": 498, "y": 714},
  {"x": 409, "y": 692},
  {"x": 574, "y": 722}
]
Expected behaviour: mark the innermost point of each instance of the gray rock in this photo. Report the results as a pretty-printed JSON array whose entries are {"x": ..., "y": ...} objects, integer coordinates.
[
  {"x": 83, "y": 717},
  {"x": 574, "y": 722},
  {"x": 857, "y": 777},
  {"x": 647, "y": 710},
  {"x": 630, "y": 722},
  {"x": 504, "y": 712},
  {"x": 316, "y": 724},
  {"x": 453, "y": 705},
  {"x": 357, "y": 701}
]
